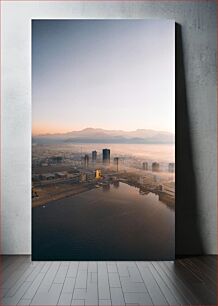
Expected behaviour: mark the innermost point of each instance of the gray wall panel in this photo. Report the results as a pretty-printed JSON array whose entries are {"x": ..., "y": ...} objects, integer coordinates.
[{"x": 197, "y": 198}]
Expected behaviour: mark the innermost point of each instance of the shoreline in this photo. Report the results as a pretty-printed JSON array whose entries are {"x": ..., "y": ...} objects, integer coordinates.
[
  {"x": 61, "y": 196},
  {"x": 67, "y": 194}
]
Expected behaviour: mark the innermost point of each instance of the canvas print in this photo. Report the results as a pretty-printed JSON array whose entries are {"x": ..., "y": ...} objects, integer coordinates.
[{"x": 103, "y": 139}]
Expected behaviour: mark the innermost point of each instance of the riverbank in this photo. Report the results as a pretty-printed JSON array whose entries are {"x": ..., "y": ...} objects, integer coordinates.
[{"x": 52, "y": 195}]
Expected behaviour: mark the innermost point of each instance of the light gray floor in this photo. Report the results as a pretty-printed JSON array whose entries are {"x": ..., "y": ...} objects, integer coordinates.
[{"x": 187, "y": 281}]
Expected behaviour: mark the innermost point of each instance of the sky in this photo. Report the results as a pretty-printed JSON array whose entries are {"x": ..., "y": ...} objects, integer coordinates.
[{"x": 110, "y": 74}]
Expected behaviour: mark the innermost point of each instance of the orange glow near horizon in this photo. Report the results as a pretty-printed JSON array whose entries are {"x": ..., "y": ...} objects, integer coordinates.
[{"x": 43, "y": 128}]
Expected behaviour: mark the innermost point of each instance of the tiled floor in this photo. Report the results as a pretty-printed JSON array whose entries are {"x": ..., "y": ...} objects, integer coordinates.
[{"x": 187, "y": 281}]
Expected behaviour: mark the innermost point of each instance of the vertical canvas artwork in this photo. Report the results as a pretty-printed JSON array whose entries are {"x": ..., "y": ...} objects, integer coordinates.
[{"x": 103, "y": 139}]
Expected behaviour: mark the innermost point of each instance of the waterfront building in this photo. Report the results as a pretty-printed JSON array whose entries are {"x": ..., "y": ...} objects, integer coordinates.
[
  {"x": 83, "y": 177},
  {"x": 47, "y": 176},
  {"x": 116, "y": 162},
  {"x": 61, "y": 175},
  {"x": 94, "y": 156},
  {"x": 169, "y": 188},
  {"x": 145, "y": 166},
  {"x": 145, "y": 181},
  {"x": 74, "y": 177},
  {"x": 90, "y": 176},
  {"x": 171, "y": 167},
  {"x": 155, "y": 167},
  {"x": 106, "y": 156},
  {"x": 98, "y": 174}
]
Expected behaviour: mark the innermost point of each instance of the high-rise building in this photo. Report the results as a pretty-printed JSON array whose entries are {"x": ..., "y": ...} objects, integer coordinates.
[
  {"x": 145, "y": 166},
  {"x": 116, "y": 162},
  {"x": 94, "y": 156},
  {"x": 86, "y": 161},
  {"x": 155, "y": 167},
  {"x": 171, "y": 167},
  {"x": 106, "y": 156}
]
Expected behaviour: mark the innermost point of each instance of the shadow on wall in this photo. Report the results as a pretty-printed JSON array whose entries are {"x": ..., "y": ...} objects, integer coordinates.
[{"x": 188, "y": 234}]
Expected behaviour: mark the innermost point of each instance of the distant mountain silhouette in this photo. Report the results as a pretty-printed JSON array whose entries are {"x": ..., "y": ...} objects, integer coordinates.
[{"x": 92, "y": 135}]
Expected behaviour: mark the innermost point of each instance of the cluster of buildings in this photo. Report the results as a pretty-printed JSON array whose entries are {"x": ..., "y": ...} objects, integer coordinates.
[
  {"x": 94, "y": 155},
  {"x": 75, "y": 176},
  {"x": 49, "y": 161},
  {"x": 50, "y": 176},
  {"x": 106, "y": 158},
  {"x": 94, "y": 169},
  {"x": 156, "y": 183},
  {"x": 155, "y": 167}
]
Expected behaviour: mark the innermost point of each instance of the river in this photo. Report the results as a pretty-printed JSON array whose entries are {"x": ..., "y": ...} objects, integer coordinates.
[{"x": 116, "y": 223}]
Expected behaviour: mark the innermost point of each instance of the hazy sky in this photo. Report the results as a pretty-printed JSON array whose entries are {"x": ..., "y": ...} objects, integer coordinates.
[{"x": 111, "y": 74}]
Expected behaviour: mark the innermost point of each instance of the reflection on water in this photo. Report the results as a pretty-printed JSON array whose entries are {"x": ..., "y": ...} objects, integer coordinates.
[
  {"x": 115, "y": 222},
  {"x": 116, "y": 184},
  {"x": 106, "y": 187}
]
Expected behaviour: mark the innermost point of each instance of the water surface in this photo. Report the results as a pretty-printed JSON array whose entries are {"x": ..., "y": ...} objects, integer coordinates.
[{"x": 116, "y": 223}]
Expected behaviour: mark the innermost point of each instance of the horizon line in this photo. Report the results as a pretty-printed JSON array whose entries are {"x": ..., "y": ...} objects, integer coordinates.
[{"x": 98, "y": 128}]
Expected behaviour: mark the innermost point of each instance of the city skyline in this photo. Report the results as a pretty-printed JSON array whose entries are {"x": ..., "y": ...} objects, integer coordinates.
[{"x": 95, "y": 73}]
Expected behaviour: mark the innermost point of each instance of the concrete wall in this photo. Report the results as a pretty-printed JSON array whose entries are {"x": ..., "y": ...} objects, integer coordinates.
[{"x": 196, "y": 113}]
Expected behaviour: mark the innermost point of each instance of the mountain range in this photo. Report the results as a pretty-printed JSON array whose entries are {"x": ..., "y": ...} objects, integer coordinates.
[{"x": 98, "y": 135}]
